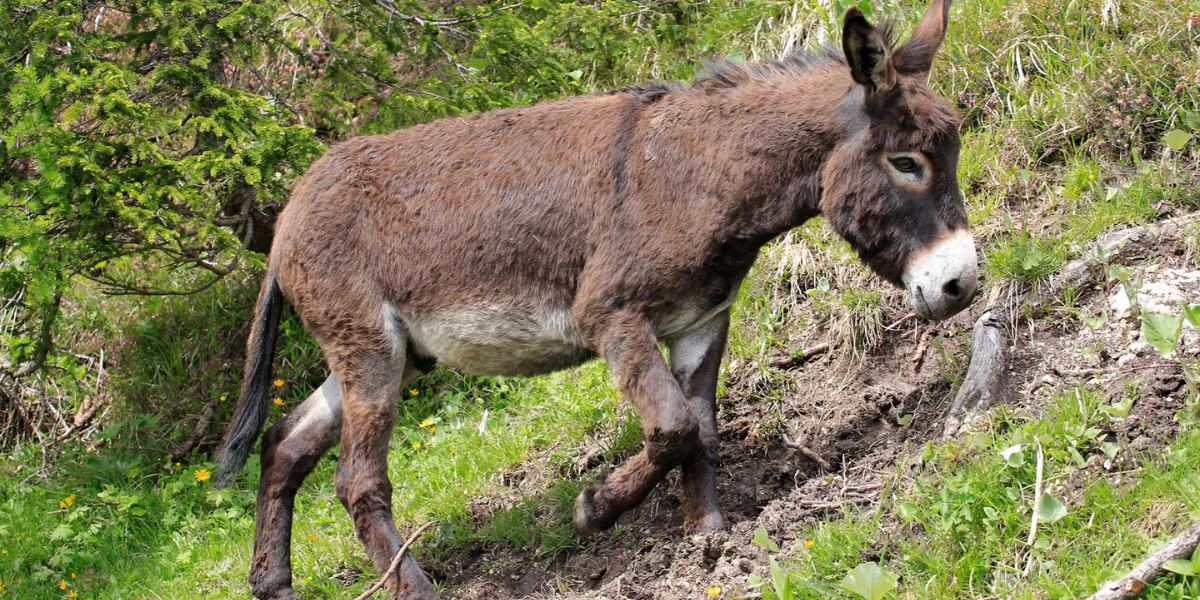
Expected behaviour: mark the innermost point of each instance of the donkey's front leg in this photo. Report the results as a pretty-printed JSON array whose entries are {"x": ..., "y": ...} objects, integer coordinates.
[
  {"x": 696, "y": 363},
  {"x": 670, "y": 429}
]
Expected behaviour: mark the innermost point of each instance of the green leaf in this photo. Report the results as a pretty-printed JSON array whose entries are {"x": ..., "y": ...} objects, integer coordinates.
[
  {"x": 1192, "y": 313},
  {"x": 906, "y": 419},
  {"x": 60, "y": 533},
  {"x": 1180, "y": 566},
  {"x": 1177, "y": 139},
  {"x": 869, "y": 582},
  {"x": 1162, "y": 331},
  {"x": 1110, "y": 449},
  {"x": 763, "y": 540},
  {"x": 1118, "y": 409},
  {"x": 1094, "y": 322},
  {"x": 1013, "y": 456},
  {"x": 907, "y": 510},
  {"x": 1050, "y": 509},
  {"x": 779, "y": 581},
  {"x": 754, "y": 581}
]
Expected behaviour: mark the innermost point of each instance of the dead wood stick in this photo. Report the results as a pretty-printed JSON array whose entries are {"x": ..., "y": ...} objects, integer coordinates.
[
  {"x": 792, "y": 361},
  {"x": 1110, "y": 370},
  {"x": 197, "y": 432},
  {"x": 395, "y": 561},
  {"x": 1138, "y": 580},
  {"x": 1037, "y": 496},
  {"x": 922, "y": 347},
  {"x": 806, "y": 451},
  {"x": 990, "y": 336}
]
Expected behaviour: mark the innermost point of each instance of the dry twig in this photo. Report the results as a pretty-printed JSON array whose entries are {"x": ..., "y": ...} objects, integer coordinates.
[
  {"x": 1138, "y": 580},
  {"x": 806, "y": 451},
  {"x": 794, "y": 361},
  {"x": 395, "y": 561}
]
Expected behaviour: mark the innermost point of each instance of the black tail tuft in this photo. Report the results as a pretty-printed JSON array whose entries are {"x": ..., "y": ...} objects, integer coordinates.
[{"x": 251, "y": 410}]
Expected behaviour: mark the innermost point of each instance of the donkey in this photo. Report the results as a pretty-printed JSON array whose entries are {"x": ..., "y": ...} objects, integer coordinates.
[{"x": 532, "y": 239}]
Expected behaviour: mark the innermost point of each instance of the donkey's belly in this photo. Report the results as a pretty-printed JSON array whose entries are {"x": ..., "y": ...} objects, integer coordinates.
[{"x": 500, "y": 340}]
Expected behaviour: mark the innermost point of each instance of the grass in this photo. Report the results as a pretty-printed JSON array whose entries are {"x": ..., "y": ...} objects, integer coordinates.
[{"x": 1065, "y": 105}]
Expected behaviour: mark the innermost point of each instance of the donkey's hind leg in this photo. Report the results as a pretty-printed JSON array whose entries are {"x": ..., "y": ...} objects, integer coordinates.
[
  {"x": 370, "y": 384},
  {"x": 290, "y": 450}
]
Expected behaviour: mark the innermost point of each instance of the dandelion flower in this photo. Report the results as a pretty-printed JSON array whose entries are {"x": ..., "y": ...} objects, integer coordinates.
[
  {"x": 222, "y": 397},
  {"x": 809, "y": 544},
  {"x": 433, "y": 430},
  {"x": 202, "y": 475},
  {"x": 427, "y": 423},
  {"x": 72, "y": 576},
  {"x": 66, "y": 502},
  {"x": 714, "y": 591},
  {"x": 72, "y": 594},
  {"x": 62, "y": 585},
  {"x": 278, "y": 383},
  {"x": 312, "y": 538},
  {"x": 416, "y": 445},
  {"x": 412, "y": 392},
  {"x": 278, "y": 401},
  {"x": 452, "y": 452}
]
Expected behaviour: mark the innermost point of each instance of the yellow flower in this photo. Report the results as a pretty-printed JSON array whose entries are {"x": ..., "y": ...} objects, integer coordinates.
[
  {"x": 278, "y": 401},
  {"x": 427, "y": 423},
  {"x": 416, "y": 445},
  {"x": 312, "y": 538},
  {"x": 3, "y": 551},
  {"x": 278, "y": 383},
  {"x": 222, "y": 397},
  {"x": 809, "y": 544},
  {"x": 72, "y": 576},
  {"x": 433, "y": 430},
  {"x": 413, "y": 392},
  {"x": 202, "y": 475},
  {"x": 452, "y": 452},
  {"x": 62, "y": 585},
  {"x": 68, "y": 501},
  {"x": 72, "y": 594},
  {"x": 714, "y": 591}
]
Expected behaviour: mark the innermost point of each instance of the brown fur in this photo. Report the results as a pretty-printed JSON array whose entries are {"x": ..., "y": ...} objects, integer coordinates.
[{"x": 639, "y": 211}]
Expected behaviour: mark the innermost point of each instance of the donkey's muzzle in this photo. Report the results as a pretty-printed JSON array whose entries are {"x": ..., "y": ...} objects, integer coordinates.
[{"x": 942, "y": 277}]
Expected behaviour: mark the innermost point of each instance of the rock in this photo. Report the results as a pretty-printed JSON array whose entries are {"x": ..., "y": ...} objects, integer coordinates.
[
  {"x": 1139, "y": 348},
  {"x": 1119, "y": 302},
  {"x": 1125, "y": 359}
]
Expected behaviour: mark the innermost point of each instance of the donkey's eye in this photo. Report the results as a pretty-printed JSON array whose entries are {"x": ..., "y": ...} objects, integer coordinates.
[{"x": 904, "y": 164}]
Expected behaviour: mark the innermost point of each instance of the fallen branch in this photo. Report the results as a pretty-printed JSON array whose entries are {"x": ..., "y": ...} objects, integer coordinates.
[
  {"x": 395, "y": 561},
  {"x": 1138, "y": 580},
  {"x": 197, "y": 432},
  {"x": 806, "y": 451},
  {"x": 990, "y": 336},
  {"x": 797, "y": 360}
]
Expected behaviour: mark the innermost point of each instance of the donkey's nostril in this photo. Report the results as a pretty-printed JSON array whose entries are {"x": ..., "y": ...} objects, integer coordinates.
[{"x": 952, "y": 289}]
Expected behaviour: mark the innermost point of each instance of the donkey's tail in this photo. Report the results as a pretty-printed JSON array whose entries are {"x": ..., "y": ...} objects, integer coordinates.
[{"x": 251, "y": 410}]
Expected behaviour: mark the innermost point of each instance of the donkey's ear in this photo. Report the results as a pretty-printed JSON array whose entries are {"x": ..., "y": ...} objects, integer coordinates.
[
  {"x": 916, "y": 57},
  {"x": 867, "y": 53}
]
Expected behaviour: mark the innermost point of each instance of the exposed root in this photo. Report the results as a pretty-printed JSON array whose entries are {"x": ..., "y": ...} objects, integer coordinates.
[
  {"x": 808, "y": 452},
  {"x": 799, "y": 359}
]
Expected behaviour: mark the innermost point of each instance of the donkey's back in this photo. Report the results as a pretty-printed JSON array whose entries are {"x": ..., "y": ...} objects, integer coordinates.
[{"x": 469, "y": 234}]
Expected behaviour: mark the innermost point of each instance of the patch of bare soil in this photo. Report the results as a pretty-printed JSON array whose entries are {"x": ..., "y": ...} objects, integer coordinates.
[{"x": 859, "y": 416}]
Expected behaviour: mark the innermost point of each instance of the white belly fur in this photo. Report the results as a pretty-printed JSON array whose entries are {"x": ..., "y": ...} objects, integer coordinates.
[
  {"x": 498, "y": 339},
  {"x": 508, "y": 339}
]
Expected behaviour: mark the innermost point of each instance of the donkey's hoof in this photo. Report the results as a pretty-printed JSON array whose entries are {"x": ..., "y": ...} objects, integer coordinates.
[
  {"x": 710, "y": 523},
  {"x": 415, "y": 585},
  {"x": 588, "y": 519}
]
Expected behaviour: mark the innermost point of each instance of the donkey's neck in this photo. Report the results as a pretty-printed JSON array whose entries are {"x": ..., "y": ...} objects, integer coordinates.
[{"x": 763, "y": 143}]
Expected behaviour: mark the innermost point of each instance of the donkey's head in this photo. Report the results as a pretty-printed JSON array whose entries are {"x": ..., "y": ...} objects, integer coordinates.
[{"x": 890, "y": 186}]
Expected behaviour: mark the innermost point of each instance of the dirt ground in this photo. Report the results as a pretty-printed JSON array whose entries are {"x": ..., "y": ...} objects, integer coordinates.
[{"x": 849, "y": 413}]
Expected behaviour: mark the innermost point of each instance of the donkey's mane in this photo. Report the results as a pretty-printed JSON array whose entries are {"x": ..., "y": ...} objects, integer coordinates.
[{"x": 726, "y": 74}]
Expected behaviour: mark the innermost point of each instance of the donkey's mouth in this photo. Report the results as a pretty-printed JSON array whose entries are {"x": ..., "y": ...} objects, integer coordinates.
[{"x": 942, "y": 277}]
